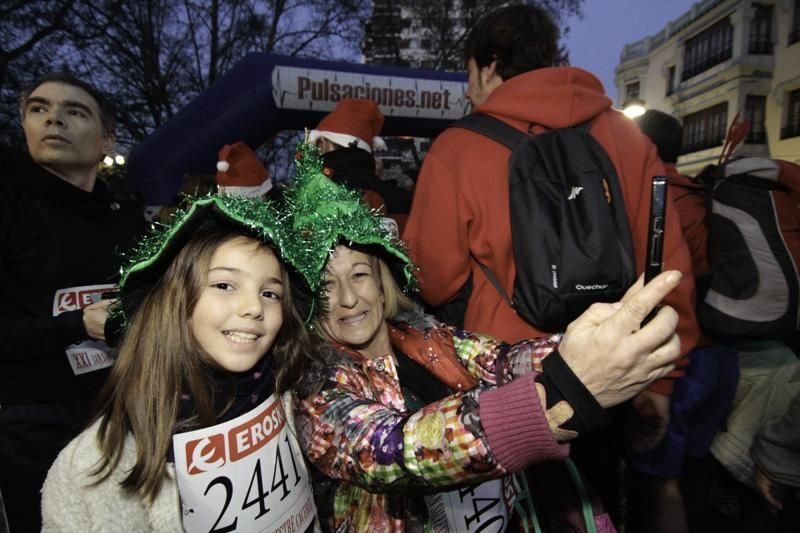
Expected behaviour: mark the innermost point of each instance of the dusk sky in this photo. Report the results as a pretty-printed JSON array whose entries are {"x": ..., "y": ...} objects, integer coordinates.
[{"x": 596, "y": 41}]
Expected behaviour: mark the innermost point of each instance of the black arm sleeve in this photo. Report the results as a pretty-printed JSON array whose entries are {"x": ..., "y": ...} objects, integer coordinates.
[
  {"x": 562, "y": 384},
  {"x": 33, "y": 338}
]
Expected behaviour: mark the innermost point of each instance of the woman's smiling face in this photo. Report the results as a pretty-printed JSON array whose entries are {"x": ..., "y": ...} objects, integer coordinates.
[{"x": 355, "y": 299}]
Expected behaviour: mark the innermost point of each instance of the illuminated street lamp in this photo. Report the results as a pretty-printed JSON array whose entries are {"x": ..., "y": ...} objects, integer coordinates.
[
  {"x": 117, "y": 159},
  {"x": 633, "y": 108}
]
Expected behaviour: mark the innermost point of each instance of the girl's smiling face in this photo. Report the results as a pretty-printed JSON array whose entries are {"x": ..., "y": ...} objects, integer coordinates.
[{"x": 239, "y": 312}]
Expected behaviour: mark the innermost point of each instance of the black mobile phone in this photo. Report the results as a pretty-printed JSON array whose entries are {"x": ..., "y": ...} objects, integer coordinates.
[
  {"x": 654, "y": 261},
  {"x": 655, "y": 234}
]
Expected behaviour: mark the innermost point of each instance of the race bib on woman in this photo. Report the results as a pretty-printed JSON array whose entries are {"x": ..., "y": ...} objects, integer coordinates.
[
  {"x": 246, "y": 474},
  {"x": 469, "y": 509}
]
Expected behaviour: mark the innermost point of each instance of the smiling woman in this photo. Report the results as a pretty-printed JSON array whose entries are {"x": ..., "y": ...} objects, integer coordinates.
[{"x": 397, "y": 409}]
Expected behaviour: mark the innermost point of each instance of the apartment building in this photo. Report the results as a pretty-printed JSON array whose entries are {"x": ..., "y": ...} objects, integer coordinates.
[
  {"x": 421, "y": 33},
  {"x": 417, "y": 34},
  {"x": 719, "y": 58}
]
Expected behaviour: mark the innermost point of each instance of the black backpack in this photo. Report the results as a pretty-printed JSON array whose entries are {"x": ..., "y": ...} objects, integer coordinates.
[
  {"x": 755, "y": 286},
  {"x": 569, "y": 228}
]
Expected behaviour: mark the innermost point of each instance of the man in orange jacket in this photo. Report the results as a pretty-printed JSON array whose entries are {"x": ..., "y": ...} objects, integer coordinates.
[{"x": 460, "y": 212}]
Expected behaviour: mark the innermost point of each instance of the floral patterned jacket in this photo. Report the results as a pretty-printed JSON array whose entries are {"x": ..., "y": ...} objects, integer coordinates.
[{"x": 375, "y": 456}]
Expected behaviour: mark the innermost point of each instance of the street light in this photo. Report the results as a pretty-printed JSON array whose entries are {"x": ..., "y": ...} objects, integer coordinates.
[
  {"x": 633, "y": 108},
  {"x": 117, "y": 159}
]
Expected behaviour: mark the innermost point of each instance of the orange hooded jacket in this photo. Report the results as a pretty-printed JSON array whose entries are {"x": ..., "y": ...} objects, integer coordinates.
[{"x": 460, "y": 208}]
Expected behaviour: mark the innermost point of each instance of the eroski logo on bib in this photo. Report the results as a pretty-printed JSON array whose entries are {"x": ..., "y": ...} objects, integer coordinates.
[{"x": 207, "y": 453}]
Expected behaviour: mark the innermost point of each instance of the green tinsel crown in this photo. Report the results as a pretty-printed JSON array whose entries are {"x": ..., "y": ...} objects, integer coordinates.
[
  {"x": 324, "y": 214},
  {"x": 152, "y": 255}
]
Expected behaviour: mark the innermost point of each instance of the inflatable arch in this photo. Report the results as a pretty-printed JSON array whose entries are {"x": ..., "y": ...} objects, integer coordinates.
[{"x": 264, "y": 94}]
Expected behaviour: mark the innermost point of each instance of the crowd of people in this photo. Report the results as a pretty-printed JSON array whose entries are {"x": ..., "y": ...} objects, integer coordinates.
[{"x": 277, "y": 358}]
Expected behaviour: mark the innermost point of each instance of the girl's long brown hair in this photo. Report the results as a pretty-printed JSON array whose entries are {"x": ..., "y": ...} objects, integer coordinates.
[{"x": 158, "y": 359}]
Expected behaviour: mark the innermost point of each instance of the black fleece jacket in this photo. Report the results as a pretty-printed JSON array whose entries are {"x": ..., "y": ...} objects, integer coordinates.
[{"x": 53, "y": 236}]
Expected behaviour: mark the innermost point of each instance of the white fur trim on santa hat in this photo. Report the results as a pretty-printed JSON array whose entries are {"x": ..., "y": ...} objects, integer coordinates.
[
  {"x": 342, "y": 139},
  {"x": 247, "y": 192},
  {"x": 390, "y": 225},
  {"x": 379, "y": 144}
]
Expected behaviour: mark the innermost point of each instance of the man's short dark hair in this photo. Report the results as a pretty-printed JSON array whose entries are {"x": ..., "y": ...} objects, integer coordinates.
[
  {"x": 521, "y": 38},
  {"x": 107, "y": 118},
  {"x": 665, "y": 131}
]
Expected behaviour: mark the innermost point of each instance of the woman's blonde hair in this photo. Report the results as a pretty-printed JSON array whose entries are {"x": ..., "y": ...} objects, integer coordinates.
[
  {"x": 159, "y": 359},
  {"x": 395, "y": 300}
]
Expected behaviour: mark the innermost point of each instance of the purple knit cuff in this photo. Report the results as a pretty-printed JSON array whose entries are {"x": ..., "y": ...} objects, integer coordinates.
[{"x": 516, "y": 426}]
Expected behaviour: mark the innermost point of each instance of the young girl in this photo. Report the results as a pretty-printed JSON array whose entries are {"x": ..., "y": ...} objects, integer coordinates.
[{"x": 189, "y": 432}]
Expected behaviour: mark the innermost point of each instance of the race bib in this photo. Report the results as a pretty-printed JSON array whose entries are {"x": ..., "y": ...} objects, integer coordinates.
[
  {"x": 469, "y": 509},
  {"x": 244, "y": 475},
  {"x": 89, "y": 355}
]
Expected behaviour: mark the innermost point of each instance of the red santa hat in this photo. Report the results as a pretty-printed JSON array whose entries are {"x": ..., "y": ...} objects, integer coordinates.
[
  {"x": 240, "y": 172},
  {"x": 353, "y": 120}
]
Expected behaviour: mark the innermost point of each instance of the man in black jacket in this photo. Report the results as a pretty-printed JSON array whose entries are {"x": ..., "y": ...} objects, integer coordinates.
[{"x": 61, "y": 234}]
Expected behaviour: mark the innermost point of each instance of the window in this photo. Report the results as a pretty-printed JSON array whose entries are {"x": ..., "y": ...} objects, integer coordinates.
[
  {"x": 705, "y": 129},
  {"x": 632, "y": 91},
  {"x": 754, "y": 107},
  {"x": 670, "y": 80},
  {"x": 792, "y": 128},
  {"x": 794, "y": 31},
  {"x": 707, "y": 49},
  {"x": 761, "y": 30}
]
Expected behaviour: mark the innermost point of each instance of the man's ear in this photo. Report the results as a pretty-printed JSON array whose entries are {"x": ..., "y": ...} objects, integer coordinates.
[{"x": 489, "y": 76}]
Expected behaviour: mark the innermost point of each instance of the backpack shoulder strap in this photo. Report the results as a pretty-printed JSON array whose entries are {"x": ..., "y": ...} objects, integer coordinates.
[
  {"x": 491, "y": 127},
  {"x": 508, "y": 136},
  {"x": 495, "y": 283}
]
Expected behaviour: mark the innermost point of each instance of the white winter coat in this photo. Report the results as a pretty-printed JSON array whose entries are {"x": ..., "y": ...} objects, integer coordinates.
[{"x": 70, "y": 502}]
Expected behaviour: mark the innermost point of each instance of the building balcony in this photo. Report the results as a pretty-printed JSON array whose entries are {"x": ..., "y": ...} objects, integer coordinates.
[
  {"x": 792, "y": 130},
  {"x": 706, "y": 63},
  {"x": 760, "y": 47},
  {"x": 794, "y": 35},
  {"x": 702, "y": 144},
  {"x": 756, "y": 137}
]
